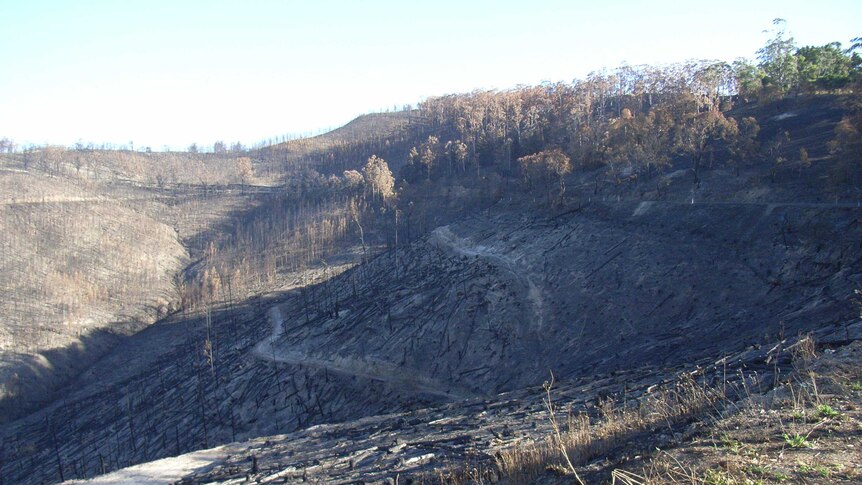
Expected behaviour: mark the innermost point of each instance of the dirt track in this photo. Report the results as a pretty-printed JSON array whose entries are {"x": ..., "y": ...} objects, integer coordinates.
[{"x": 377, "y": 370}]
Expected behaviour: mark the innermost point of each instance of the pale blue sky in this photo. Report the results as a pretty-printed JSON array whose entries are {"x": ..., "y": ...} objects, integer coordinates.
[{"x": 175, "y": 72}]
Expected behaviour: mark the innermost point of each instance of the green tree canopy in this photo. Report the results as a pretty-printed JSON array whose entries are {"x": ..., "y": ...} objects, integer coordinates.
[
  {"x": 777, "y": 59},
  {"x": 824, "y": 67}
]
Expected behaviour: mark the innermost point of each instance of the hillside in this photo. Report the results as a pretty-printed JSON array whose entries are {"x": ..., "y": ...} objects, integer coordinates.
[
  {"x": 98, "y": 243},
  {"x": 361, "y": 129},
  {"x": 345, "y": 147},
  {"x": 727, "y": 431},
  {"x": 613, "y": 236},
  {"x": 634, "y": 281},
  {"x": 488, "y": 304},
  {"x": 292, "y": 363},
  {"x": 92, "y": 249},
  {"x": 77, "y": 272},
  {"x": 645, "y": 274}
]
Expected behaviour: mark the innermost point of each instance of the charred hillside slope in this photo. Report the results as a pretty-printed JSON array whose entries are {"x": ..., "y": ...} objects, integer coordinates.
[
  {"x": 490, "y": 304},
  {"x": 481, "y": 306}
]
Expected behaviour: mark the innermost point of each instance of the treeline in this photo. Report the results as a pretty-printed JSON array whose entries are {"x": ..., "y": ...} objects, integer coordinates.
[
  {"x": 632, "y": 119},
  {"x": 463, "y": 151},
  {"x": 626, "y": 123},
  {"x": 783, "y": 68},
  {"x": 156, "y": 169}
]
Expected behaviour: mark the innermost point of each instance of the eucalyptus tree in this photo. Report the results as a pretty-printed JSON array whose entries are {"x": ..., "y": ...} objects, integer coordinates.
[
  {"x": 379, "y": 178},
  {"x": 545, "y": 168},
  {"x": 777, "y": 59}
]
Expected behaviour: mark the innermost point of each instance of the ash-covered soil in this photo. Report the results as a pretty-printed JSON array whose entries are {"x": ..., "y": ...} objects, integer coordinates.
[
  {"x": 479, "y": 307},
  {"x": 465, "y": 439},
  {"x": 490, "y": 304}
]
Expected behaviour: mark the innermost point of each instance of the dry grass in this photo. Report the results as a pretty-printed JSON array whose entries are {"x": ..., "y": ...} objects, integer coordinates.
[
  {"x": 75, "y": 267},
  {"x": 802, "y": 419},
  {"x": 584, "y": 438},
  {"x": 807, "y": 432}
]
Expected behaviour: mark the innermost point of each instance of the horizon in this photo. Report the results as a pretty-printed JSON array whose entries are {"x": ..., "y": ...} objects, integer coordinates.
[{"x": 164, "y": 76}]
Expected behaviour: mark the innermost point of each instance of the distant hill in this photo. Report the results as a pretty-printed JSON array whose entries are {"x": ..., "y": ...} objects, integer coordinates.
[
  {"x": 346, "y": 147},
  {"x": 361, "y": 129}
]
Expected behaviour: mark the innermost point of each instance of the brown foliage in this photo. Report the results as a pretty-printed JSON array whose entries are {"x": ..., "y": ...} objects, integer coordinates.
[{"x": 379, "y": 178}]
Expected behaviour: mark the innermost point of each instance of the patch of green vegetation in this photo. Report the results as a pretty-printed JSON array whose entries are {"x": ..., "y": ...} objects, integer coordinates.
[
  {"x": 717, "y": 477},
  {"x": 780, "y": 477},
  {"x": 721, "y": 477},
  {"x": 821, "y": 470},
  {"x": 827, "y": 412},
  {"x": 764, "y": 472},
  {"x": 796, "y": 441},
  {"x": 731, "y": 444},
  {"x": 856, "y": 386}
]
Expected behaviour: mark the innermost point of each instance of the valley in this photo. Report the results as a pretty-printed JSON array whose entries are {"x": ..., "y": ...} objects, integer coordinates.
[{"x": 645, "y": 267}]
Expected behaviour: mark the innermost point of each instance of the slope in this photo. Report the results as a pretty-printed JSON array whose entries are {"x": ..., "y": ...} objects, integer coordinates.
[
  {"x": 479, "y": 307},
  {"x": 77, "y": 271},
  {"x": 343, "y": 148},
  {"x": 489, "y": 304},
  {"x": 731, "y": 429}
]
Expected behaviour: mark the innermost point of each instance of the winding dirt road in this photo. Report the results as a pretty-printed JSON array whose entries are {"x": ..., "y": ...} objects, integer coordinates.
[
  {"x": 378, "y": 370},
  {"x": 444, "y": 235}
]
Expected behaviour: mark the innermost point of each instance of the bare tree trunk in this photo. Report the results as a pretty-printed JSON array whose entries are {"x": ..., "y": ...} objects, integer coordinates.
[
  {"x": 57, "y": 452},
  {"x": 361, "y": 236},
  {"x": 396, "y": 242}
]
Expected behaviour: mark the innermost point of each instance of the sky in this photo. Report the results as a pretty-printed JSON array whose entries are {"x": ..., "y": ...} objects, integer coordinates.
[{"x": 170, "y": 73}]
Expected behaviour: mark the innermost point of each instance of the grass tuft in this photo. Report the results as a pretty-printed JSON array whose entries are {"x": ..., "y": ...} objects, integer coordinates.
[
  {"x": 796, "y": 440},
  {"x": 825, "y": 411}
]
